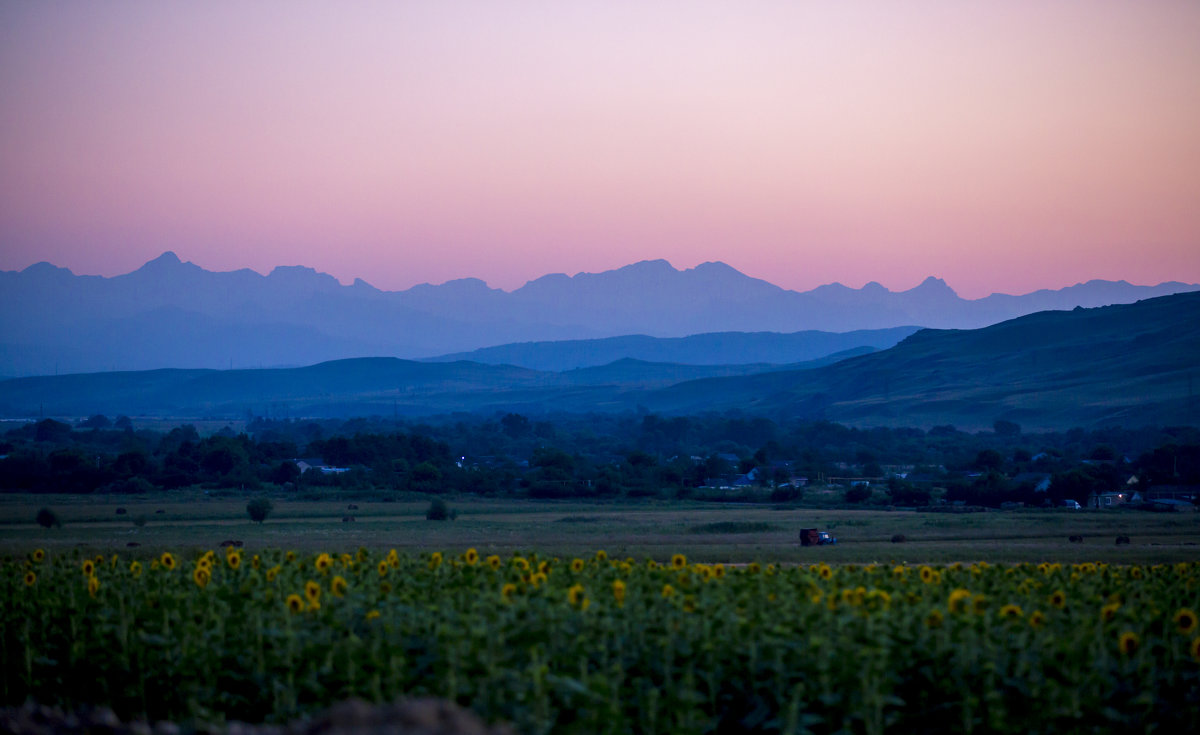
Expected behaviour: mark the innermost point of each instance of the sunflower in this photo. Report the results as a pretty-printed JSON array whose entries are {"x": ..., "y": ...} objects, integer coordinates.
[
  {"x": 256, "y": 562},
  {"x": 718, "y": 571},
  {"x": 393, "y": 559},
  {"x": 338, "y": 586},
  {"x": 520, "y": 563},
  {"x": 295, "y": 603},
  {"x": 89, "y": 567},
  {"x": 201, "y": 576},
  {"x": 93, "y": 586},
  {"x": 958, "y": 600},
  {"x": 435, "y": 560},
  {"x": 1194, "y": 649},
  {"x": 934, "y": 619},
  {"x": 1058, "y": 599},
  {"x": 667, "y": 590},
  {"x": 30, "y": 579},
  {"x": 312, "y": 591},
  {"x": 1185, "y": 620},
  {"x": 324, "y": 563},
  {"x": 601, "y": 556},
  {"x": 544, "y": 568},
  {"x": 373, "y": 615},
  {"x": 927, "y": 574},
  {"x": 1128, "y": 643},
  {"x": 1135, "y": 572},
  {"x": 1109, "y": 611},
  {"x": 577, "y": 565},
  {"x": 1011, "y": 612},
  {"x": 618, "y": 588},
  {"x": 273, "y": 572},
  {"x": 816, "y": 596},
  {"x": 135, "y": 568},
  {"x": 234, "y": 560},
  {"x": 38, "y": 555},
  {"x": 471, "y": 557},
  {"x": 537, "y": 579},
  {"x": 825, "y": 571},
  {"x": 689, "y": 604},
  {"x": 577, "y": 597},
  {"x": 290, "y": 557},
  {"x": 1037, "y": 619},
  {"x": 507, "y": 592},
  {"x": 678, "y": 561},
  {"x": 167, "y": 561},
  {"x": 899, "y": 571},
  {"x": 753, "y": 567},
  {"x": 382, "y": 568},
  {"x": 494, "y": 562},
  {"x": 204, "y": 563}
]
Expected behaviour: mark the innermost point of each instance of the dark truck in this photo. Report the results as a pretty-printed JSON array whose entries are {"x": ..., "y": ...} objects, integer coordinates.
[{"x": 813, "y": 537}]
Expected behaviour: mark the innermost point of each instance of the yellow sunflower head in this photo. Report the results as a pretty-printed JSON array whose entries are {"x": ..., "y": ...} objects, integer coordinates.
[
  {"x": 167, "y": 561},
  {"x": 678, "y": 561},
  {"x": 382, "y": 568},
  {"x": 959, "y": 599},
  {"x": 135, "y": 568},
  {"x": 1185, "y": 620},
  {"x": 295, "y": 603},
  {"x": 89, "y": 567},
  {"x": 312, "y": 591},
  {"x": 234, "y": 560},
  {"x": 1128, "y": 643},
  {"x": 1011, "y": 612},
  {"x": 30, "y": 578},
  {"x": 753, "y": 567},
  {"x": 93, "y": 586},
  {"x": 494, "y": 562},
  {"x": 577, "y": 565},
  {"x": 618, "y": 588},
  {"x": 324, "y": 563},
  {"x": 201, "y": 576},
  {"x": 577, "y": 597},
  {"x": 601, "y": 556},
  {"x": 934, "y": 619},
  {"x": 1037, "y": 619},
  {"x": 471, "y": 557},
  {"x": 507, "y": 592},
  {"x": 338, "y": 586},
  {"x": 38, "y": 555},
  {"x": 1058, "y": 599},
  {"x": 667, "y": 590}
]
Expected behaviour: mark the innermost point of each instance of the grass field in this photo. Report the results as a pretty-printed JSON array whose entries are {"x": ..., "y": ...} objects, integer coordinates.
[{"x": 705, "y": 532}]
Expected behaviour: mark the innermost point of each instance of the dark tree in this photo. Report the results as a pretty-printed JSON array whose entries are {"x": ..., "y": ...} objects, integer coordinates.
[
  {"x": 259, "y": 508},
  {"x": 437, "y": 511},
  {"x": 47, "y": 518}
]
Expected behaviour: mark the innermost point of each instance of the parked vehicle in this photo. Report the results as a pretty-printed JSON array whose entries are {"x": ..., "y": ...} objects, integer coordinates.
[
  {"x": 1069, "y": 504},
  {"x": 814, "y": 537}
]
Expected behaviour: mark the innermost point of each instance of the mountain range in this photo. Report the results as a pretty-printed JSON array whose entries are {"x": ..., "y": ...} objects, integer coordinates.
[
  {"x": 1129, "y": 365},
  {"x": 171, "y": 313}
]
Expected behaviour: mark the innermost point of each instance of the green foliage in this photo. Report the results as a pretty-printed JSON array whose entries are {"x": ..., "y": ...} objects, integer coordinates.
[
  {"x": 599, "y": 645},
  {"x": 734, "y": 527},
  {"x": 259, "y": 508},
  {"x": 858, "y": 494}
]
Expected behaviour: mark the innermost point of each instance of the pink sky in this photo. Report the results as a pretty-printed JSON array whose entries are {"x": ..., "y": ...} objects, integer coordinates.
[{"x": 1003, "y": 146}]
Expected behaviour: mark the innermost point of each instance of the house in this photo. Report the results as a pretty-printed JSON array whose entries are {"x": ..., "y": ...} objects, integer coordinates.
[
  {"x": 1112, "y": 500},
  {"x": 312, "y": 463}
]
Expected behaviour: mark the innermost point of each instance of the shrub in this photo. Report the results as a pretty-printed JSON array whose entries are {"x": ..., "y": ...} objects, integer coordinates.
[
  {"x": 47, "y": 518},
  {"x": 259, "y": 508},
  {"x": 437, "y": 511},
  {"x": 858, "y": 494}
]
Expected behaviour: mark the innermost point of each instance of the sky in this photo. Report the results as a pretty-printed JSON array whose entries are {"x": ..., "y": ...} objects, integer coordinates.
[{"x": 1003, "y": 146}]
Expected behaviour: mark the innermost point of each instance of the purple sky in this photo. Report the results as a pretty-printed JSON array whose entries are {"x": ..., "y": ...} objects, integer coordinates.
[{"x": 1004, "y": 146}]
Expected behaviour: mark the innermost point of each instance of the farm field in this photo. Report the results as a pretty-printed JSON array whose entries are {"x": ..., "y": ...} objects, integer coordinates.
[
  {"x": 191, "y": 521},
  {"x": 598, "y": 643}
]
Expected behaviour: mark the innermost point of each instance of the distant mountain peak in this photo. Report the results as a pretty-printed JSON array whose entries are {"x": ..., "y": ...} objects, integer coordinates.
[{"x": 932, "y": 285}]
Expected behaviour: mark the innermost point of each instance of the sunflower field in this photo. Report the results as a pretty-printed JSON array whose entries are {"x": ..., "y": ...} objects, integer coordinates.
[{"x": 596, "y": 644}]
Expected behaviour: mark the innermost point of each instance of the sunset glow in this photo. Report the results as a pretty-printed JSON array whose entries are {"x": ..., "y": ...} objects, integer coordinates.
[{"x": 1002, "y": 146}]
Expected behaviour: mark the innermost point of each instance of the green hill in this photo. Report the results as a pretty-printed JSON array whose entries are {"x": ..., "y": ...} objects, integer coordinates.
[{"x": 1129, "y": 364}]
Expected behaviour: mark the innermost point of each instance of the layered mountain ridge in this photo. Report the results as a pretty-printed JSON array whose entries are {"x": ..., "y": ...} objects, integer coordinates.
[{"x": 171, "y": 313}]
